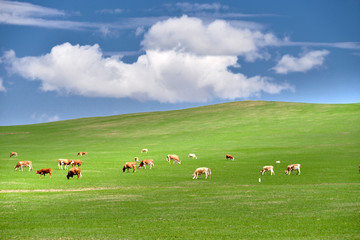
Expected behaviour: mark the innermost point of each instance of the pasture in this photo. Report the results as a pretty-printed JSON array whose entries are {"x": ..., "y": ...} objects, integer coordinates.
[{"x": 165, "y": 202}]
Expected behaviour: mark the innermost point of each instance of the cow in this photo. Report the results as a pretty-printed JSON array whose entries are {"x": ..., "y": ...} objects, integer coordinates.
[
  {"x": 192, "y": 155},
  {"x": 145, "y": 162},
  {"x": 228, "y": 156},
  {"x": 13, "y": 154},
  {"x": 129, "y": 165},
  {"x": 44, "y": 171},
  {"x": 64, "y": 162},
  {"x": 267, "y": 169},
  {"x": 293, "y": 167},
  {"x": 22, "y": 164},
  {"x": 82, "y": 153},
  {"x": 76, "y": 162},
  {"x": 144, "y": 150},
  {"x": 202, "y": 170},
  {"x": 136, "y": 159},
  {"x": 74, "y": 171},
  {"x": 173, "y": 157}
]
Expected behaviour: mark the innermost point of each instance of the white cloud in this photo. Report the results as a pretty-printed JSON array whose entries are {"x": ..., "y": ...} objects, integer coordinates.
[
  {"x": 111, "y": 11},
  {"x": 304, "y": 63},
  {"x": 44, "y": 117},
  {"x": 194, "y": 7},
  {"x": 216, "y": 38},
  {"x": 161, "y": 75},
  {"x": 2, "y": 88},
  {"x": 27, "y": 14}
]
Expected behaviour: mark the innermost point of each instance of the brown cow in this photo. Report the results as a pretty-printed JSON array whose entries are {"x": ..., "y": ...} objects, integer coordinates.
[
  {"x": 44, "y": 171},
  {"x": 64, "y": 162},
  {"x": 82, "y": 153},
  {"x": 146, "y": 162},
  {"x": 13, "y": 154},
  {"x": 129, "y": 165},
  {"x": 144, "y": 150},
  {"x": 74, "y": 171},
  {"x": 173, "y": 157},
  {"x": 76, "y": 162},
  {"x": 22, "y": 164},
  {"x": 292, "y": 167},
  {"x": 228, "y": 156},
  {"x": 267, "y": 169}
]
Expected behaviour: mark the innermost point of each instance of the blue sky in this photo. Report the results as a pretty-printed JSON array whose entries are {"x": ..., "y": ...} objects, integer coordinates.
[{"x": 71, "y": 59}]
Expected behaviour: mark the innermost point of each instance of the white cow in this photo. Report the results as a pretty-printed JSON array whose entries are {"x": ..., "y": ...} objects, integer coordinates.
[
  {"x": 64, "y": 162},
  {"x": 267, "y": 169},
  {"x": 202, "y": 170},
  {"x": 293, "y": 167},
  {"x": 192, "y": 155},
  {"x": 144, "y": 150}
]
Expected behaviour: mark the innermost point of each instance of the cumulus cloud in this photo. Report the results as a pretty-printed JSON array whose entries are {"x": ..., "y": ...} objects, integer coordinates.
[
  {"x": 2, "y": 88},
  {"x": 192, "y": 35},
  {"x": 303, "y": 63},
  {"x": 165, "y": 75}
]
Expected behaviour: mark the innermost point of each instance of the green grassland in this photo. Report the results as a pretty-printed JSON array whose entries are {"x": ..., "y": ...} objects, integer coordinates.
[{"x": 164, "y": 202}]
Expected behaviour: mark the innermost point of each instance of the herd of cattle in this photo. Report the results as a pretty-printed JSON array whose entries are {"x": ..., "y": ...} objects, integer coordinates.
[
  {"x": 65, "y": 163},
  {"x": 61, "y": 163}
]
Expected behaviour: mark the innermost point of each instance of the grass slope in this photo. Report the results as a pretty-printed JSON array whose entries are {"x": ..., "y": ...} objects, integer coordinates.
[{"x": 164, "y": 202}]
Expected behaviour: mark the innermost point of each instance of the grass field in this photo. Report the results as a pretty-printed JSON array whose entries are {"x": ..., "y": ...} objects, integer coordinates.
[{"x": 164, "y": 202}]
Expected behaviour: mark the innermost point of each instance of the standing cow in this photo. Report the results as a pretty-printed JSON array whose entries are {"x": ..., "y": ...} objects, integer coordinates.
[
  {"x": 44, "y": 171},
  {"x": 229, "y": 156},
  {"x": 293, "y": 167},
  {"x": 192, "y": 155},
  {"x": 174, "y": 158},
  {"x": 145, "y": 162},
  {"x": 74, "y": 171},
  {"x": 76, "y": 162},
  {"x": 129, "y": 165},
  {"x": 13, "y": 154},
  {"x": 202, "y": 170},
  {"x": 64, "y": 162},
  {"x": 267, "y": 169},
  {"x": 22, "y": 164}
]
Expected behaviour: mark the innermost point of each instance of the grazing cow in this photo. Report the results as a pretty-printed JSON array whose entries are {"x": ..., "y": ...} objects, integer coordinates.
[
  {"x": 192, "y": 155},
  {"x": 173, "y": 157},
  {"x": 13, "y": 154},
  {"x": 74, "y": 171},
  {"x": 144, "y": 150},
  {"x": 292, "y": 167},
  {"x": 82, "y": 153},
  {"x": 76, "y": 162},
  {"x": 203, "y": 170},
  {"x": 267, "y": 169},
  {"x": 228, "y": 156},
  {"x": 145, "y": 162},
  {"x": 136, "y": 159},
  {"x": 44, "y": 171},
  {"x": 129, "y": 165},
  {"x": 64, "y": 162},
  {"x": 22, "y": 164}
]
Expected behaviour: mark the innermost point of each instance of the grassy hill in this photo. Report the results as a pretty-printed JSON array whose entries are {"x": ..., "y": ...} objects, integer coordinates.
[{"x": 164, "y": 202}]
